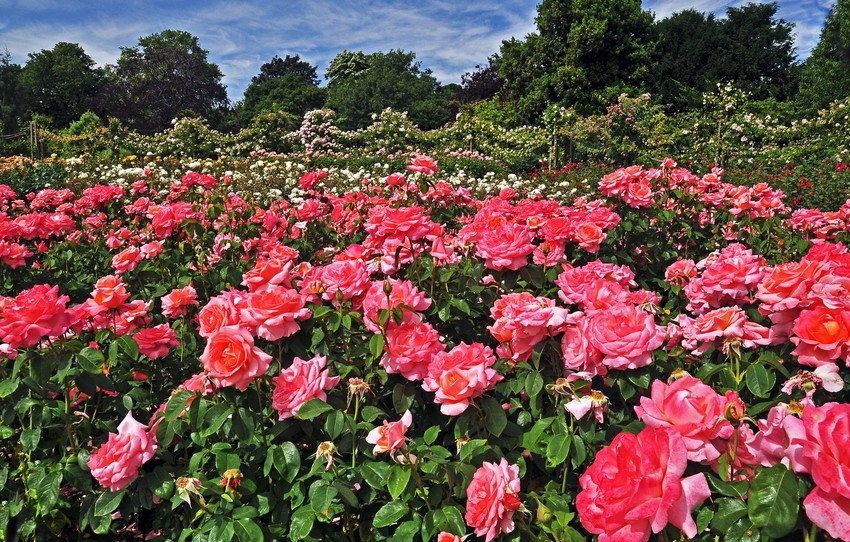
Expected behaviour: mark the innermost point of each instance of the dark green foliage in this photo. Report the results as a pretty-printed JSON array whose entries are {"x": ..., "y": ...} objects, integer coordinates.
[{"x": 289, "y": 85}]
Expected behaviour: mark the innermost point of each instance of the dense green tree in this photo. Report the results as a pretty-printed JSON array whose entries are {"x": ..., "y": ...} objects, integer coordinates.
[
  {"x": 685, "y": 59},
  {"x": 287, "y": 85},
  {"x": 391, "y": 80},
  {"x": 11, "y": 94},
  {"x": 167, "y": 75},
  {"x": 825, "y": 75},
  {"x": 60, "y": 83},
  {"x": 584, "y": 53},
  {"x": 756, "y": 52}
]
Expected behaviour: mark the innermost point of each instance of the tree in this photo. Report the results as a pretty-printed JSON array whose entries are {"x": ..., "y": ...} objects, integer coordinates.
[
  {"x": 584, "y": 53},
  {"x": 388, "y": 80},
  {"x": 481, "y": 84},
  {"x": 287, "y": 85},
  {"x": 11, "y": 94},
  {"x": 825, "y": 75},
  {"x": 60, "y": 82},
  {"x": 756, "y": 52},
  {"x": 167, "y": 75},
  {"x": 685, "y": 59}
]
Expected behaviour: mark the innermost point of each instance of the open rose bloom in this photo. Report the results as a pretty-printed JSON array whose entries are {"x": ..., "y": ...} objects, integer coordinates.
[
  {"x": 492, "y": 498},
  {"x": 116, "y": 463}
]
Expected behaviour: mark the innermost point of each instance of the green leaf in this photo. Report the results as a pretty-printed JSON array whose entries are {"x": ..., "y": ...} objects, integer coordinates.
[
  {"x": 389, "y": 514},
  {"x": 335, "y": 424},
  {"x": 177, "y": 405},
  {"x": 91, "y": 360},
  {"x": 48, "y": 491},
  {"x": 558, "y": 449},
  {"x": 292, "y": 459},
  {"x": 406, "y": 531},
  {"x": 108, "y": 502},
  {"x": 398, "y": 480},
  {"x": 742, "y": 531},
  {"x": 6, "y": 431},
  {"x": 8, "y": 387},
  {"x": 376, "y": 474},
  {"x": 321, "y": 496},
  {"x": 760, "y": 381},
  {"x": 728, "y": 512},
  {"x": 496, "y": 418},
  {"x": 30, "y": 439},
  {"x": 301, "y": 523},
  {"x": 312, "y": 408},
  {"x": 376, "y": 345},
  {"x": 728, "y": 489},
  {"x": 215, "y": 418},
  {"x": 533, "y": 384},
  {"x": 431, "y": 435},
  {"x": 248, "y": 531},
  {"x": 774, "y": 503}
]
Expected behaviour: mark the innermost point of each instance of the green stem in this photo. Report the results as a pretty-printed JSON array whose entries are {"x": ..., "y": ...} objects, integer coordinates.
[{"x": 354, "y": 432}]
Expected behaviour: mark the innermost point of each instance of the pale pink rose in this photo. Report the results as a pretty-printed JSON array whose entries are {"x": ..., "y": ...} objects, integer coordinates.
[
  {"x": 274, "y": 311},
  {"x": 463, "y": 373},
  {"x": 825, "y": 446},
  {"x": 625, "y": 335},
  {"x": 116, "y": 463},
  {"x": 177, "y": 302},
  {"x": 773, "y": 442},
  {"x": 694, "y": 410},
  {"x": 506, "y": 246},
  {"x": 34, "y": 314},
  {"x": 728, "y": 277},
  {"x": 232, "y": 359},
  {"x": 389, "y": 437},
  {"x": 410, "y": 347},
  {"x": 492, "y": 498},
  {"x": 634, "y": 488},
  {"x": 724, "y": 326},
  {"x": 574, "y": 281},
  {"x": 832, "y": 292},
  {"x": 821, "y": 336},
  {"x": 300, "y": 382},
  {"x": 402, "y": 294},
  {"x": 155, "y": 342},
  {"x": 222, "y": 310}
]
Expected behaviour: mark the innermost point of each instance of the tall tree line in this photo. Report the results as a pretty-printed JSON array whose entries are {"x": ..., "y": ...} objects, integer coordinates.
[{"x": 582, "y": 54}]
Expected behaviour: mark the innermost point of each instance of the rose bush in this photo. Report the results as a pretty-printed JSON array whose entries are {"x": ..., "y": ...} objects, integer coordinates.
[{"x": 664, "y": 355}]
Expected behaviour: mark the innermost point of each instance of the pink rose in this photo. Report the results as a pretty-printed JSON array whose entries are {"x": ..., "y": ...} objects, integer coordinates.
[
  {"x": 492, "y": 498},
  {"x": 274, "y": 311},
  {"x": 222, "y": 310},
  {"x": 410, "y": 347},
  {"x": 579, "y": 355},
  {"x": 116, "y": 463},
  {"x": 506, "y": 246},
  {"x": 110, "y": 292},
  {"x": 589, "y": 236},
  {"x": 773, "y": 443},
  {"x": 344, "y": 280},
  {"x": 826, "y": 447},
  {"x": 300, "y": 382},
  {"x": 126, "y": 260},
  {"x": 177, "y": 302},
  {"x": 389, "y": 437},
  {"x": 635, "y": 487},
  {"x": 154, "y": 342},
  {"x": 34, "y": 314},
  {"x": 461, "y": 374},
  {"x": 625, "y": 335},
  {"x": 694, "y": 410},
  {"x": 231, "y": 357},
  {"x": 422, "y": 164},
  {"x": 402, "y": 294}
]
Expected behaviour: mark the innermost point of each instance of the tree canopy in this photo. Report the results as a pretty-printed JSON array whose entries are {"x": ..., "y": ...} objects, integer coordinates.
[
  {"x": 165, "y": 76},
  {"x": 289, "y": 85}
]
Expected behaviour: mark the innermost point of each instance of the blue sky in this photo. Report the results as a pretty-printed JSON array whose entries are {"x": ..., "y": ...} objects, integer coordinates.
[{"x": 449, "y": 37}]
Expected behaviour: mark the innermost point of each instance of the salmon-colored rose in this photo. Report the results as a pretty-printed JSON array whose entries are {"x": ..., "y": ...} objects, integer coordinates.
[
  {"x": 821, "y": 336},
  {"x": 116, "y": 463},
  {"x": 222, "y": 310},
  {"x": 231, "y": 357},
  {"x": 110, "y": 292},
  {"x": 34, "y": 314},
  {"x": 274, "y": 311},
  {"x": 506, "y": 246},
  {"x": 154, "y": 342},
  {"x": 410, "y": 347},
  {"x": 625, "y": 335},
  {"x": 461, "y": 374},
  {"x": 177, "y": 302}
]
